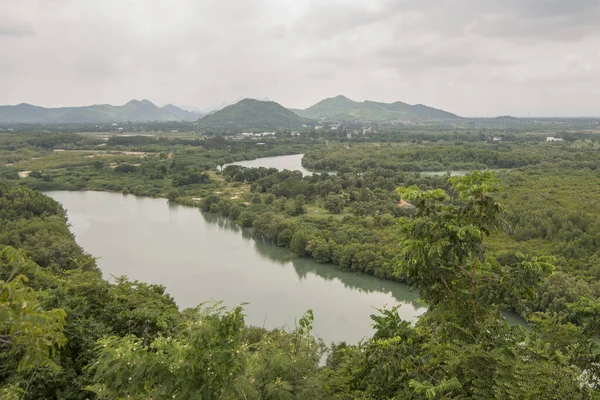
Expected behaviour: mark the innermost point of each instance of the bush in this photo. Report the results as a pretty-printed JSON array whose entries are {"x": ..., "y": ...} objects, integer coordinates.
[{"x": 246, "y": 219}]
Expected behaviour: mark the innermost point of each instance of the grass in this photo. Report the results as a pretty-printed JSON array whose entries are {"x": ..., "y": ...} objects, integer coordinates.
[{"x": 317, "y": 212}]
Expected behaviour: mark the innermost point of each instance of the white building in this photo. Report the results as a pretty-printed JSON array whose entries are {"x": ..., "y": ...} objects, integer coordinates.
[{"x": 554, "y": 139}]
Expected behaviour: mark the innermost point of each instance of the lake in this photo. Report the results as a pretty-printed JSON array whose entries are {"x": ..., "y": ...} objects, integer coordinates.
[{"x": 201, "y": 257}]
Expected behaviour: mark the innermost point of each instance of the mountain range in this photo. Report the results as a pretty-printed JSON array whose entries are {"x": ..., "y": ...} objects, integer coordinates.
[
  {"x": 342, "y": 109},
  {"x": 245, "y": 114},
  {"x": 133, "y": 111}
]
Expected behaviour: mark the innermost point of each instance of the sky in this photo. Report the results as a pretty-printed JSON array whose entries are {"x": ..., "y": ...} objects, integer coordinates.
[{"x": 470, "y": 57}]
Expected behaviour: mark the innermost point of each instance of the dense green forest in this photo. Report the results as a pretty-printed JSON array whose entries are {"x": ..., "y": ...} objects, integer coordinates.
[
  {"x": 526, "y": 239},
  {"x": 68, "y": 334},
  {"x": 449, "y": 156},
  {"x": 146, "y": 166}
]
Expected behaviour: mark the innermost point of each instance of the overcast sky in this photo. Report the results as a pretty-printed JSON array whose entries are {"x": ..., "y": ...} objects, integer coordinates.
[{"x": 470, "y": 57}]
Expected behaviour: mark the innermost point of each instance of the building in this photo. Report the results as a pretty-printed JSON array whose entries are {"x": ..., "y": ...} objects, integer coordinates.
[{"x": 554, "y": 139}]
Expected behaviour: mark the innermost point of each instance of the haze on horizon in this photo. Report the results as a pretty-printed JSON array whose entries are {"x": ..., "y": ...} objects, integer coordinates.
[{"x": 469, "y": 57}]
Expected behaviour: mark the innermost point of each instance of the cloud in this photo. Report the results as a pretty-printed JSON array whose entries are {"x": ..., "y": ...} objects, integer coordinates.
[
  {"x": 472, "y": 57},
  {"x": 15, "y": 28}
]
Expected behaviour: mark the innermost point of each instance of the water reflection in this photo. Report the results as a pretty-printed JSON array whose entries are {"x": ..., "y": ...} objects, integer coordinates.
[
  {"x": 200, "y": 257},
  {"x": 306, "y": 266}
]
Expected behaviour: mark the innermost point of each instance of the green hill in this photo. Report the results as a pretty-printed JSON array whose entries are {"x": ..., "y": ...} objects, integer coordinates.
[
  {"x": 341, "y": 108},
  {"x": 250, "y": 114},
  {"x": 133, "y": 111}
]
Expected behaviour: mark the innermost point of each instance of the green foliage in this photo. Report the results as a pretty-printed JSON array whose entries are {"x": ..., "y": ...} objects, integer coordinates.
[
  {"x": 36, "y": 224},
  {"x": 29, "y": 334},
  {"x": 296, "y": 206},
  {"x": 461, "y": 347},
  {"x": 450, "y": 247},
  {"x": 444, "y": 256},
  {"x": 335, "y": 203},
  {"x": 204, "y": 361},
  {"x": 285, "y": 365}
]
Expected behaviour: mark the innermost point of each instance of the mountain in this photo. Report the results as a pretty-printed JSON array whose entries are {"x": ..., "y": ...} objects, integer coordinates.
[
  {"x": 133, "y": 111},
  {"x": 182, "y": 114},
  {"x": 341, "y": 108},
  {"x": 214, "y": 108},
  {"x": 254, "y": 114}
]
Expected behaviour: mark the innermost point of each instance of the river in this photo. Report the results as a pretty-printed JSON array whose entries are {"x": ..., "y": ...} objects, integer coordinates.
[
  {"x": 294, "y": 163},
  {"x": 201, "y": 257}
]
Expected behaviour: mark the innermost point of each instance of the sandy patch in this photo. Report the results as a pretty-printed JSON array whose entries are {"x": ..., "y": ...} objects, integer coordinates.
[
  {"x": 234, "y": 197},
  {"x": 127, "y": 153},
  {"x": 136, "y": 153}
]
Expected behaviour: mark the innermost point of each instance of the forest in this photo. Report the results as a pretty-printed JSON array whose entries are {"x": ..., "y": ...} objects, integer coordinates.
[
  {"x": 524, "y": 238},
  {"x": 66, "y": 333}
]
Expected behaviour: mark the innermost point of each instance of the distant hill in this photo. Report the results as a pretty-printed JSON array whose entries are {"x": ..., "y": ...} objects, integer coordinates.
[
  {"x": 507, "y": 118},
  {"x": 133, "y": 111},
  {"x": 254, "y": 114},
  {"x": 341, "y": 108}
]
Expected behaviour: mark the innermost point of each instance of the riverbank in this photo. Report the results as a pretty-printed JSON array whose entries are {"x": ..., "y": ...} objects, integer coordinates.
[{"x": 200, "y": 257}]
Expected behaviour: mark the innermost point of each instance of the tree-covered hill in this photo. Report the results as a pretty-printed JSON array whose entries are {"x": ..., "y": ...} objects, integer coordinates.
[
  {"x": 133, "y": 111},
  {"x": 250, "y": 114},
  {"x": 341, "y": 108}
]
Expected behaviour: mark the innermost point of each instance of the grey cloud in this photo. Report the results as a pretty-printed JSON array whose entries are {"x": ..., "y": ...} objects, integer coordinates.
[
  {"x": 468, "y": 56},
  {"x": 559, "y": 19},
  {"x": 9, "y": 27}
]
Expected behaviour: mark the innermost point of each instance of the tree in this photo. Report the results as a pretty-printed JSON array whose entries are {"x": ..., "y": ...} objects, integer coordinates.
[
  {"x": 444, "y": 256},
  {"x": 296, "y": 206},
  {"x": 335, "y": 203},
  {"x": 205, "y": 361},
  {"x": 29, "y": 334},
  {"x": 299, "y": 242}
]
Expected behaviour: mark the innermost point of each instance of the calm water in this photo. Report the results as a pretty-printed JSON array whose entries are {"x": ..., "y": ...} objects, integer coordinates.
[
  {"x": 201, "y": 257},
  {"x": 293, "y": 163},
  {"x": 458, "y": 172}
]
